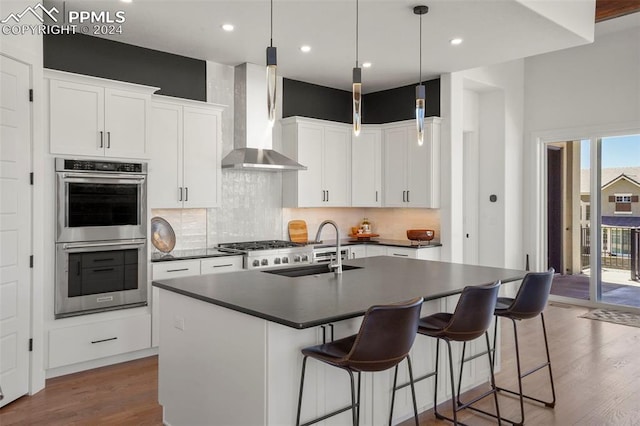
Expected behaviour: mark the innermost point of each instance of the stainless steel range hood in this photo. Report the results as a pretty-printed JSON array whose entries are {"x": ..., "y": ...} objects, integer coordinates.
[{"x": 253, "y": 136}]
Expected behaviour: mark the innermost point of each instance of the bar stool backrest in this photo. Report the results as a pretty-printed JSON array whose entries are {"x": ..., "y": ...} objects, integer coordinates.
[
  {"x": 473, "y": 313},
  {"x": 532, "y": 295},
  {"x": 386, "y": 335}
]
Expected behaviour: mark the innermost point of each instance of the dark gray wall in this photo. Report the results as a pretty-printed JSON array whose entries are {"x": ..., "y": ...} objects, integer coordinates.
[
  {"x": 176, "y": 75},
  {"x": 310, "y": 100}
]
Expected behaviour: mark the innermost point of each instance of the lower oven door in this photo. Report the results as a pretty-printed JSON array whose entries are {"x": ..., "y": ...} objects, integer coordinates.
[{"x": 100, "y": 276}]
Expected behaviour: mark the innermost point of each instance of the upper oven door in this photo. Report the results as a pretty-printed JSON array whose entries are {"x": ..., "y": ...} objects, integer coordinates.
[{"x": 100, "y": 206}]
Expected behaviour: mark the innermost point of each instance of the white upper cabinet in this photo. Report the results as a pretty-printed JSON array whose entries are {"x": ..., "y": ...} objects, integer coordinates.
[
  {"x": 97, "y": 117},
  {"x": 325, "y": 149},
  {"x": 185, "y": 147},
  {"x": 411, "y": 172},
  {"x": 366, "y": 167}
]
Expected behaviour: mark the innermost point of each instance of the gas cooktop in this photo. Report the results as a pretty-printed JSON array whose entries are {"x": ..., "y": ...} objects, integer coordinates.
[
  {"x": 260, "y": 245},
  {"x": 263, "y": 254}
]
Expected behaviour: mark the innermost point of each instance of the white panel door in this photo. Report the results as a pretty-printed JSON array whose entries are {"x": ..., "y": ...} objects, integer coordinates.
[
  {"x": 311, "y": 192},
  {"x": 125, "y": 124},
  {"x": 165, "y": 147},
  {"x": 76, "y": 118},
  {"x": 395, "y": 167},
  {"x": 15, "y": 228},
  {"x": 337, "y": 166},
  {"x": 419, "y": 175},
  {"x": 201, "y": 163},
  {"x": 366, "y": 169}
]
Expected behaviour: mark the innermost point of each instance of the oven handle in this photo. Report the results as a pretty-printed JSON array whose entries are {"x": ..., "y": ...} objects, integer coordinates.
[
  {"x": 83, "y": 246},
  {"x": 84, "y": 177}
]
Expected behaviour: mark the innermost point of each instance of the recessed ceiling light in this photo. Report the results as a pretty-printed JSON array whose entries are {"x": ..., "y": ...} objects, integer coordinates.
[
  {"x": 305, "y": 48},
  {"x": 455, "y": 41},
  {"x": 227, "y": 27},
  {"x": 126, "y": 1},
  {"x": 366, "y": 65}
]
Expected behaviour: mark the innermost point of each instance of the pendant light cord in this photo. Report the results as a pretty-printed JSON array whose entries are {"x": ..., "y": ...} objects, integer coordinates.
[
  {"x": 420, "y": 76},
  {"x": 357, "y": 20},
  {"x": 271, "y": 35}
]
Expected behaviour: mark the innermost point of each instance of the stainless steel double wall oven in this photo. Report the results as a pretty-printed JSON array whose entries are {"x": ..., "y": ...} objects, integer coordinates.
[{"x": 101, "y": 230}]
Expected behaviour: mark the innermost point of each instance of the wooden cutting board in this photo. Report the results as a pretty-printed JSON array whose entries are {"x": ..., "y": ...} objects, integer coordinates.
[{"x": 298, "y": 231}]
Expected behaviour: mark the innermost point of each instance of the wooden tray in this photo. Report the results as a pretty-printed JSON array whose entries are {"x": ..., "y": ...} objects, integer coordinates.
[{"x": 364, "y": 237}]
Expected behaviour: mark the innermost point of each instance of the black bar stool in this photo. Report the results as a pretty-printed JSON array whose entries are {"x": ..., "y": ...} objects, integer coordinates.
[
  {"x": 529, "y": 303},
  {"x": 386, "y": 335},
  {"x": 470, "y": 320}
]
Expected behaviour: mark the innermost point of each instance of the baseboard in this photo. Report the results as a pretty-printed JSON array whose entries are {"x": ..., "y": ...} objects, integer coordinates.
[{"x": 102, "y": 362}]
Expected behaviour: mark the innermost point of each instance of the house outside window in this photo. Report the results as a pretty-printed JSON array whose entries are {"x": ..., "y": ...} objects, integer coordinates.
[{"x": 623, "y": 204}]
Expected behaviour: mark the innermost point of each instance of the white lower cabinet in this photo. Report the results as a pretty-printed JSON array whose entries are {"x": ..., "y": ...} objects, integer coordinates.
[
  {"x": 431, "y": 253},
  {"x": 185, "y": 268},
  {"x": 357, "y": 252},
  {"x": 375, "y": 250},
  {"x": 71, "y": 345}
]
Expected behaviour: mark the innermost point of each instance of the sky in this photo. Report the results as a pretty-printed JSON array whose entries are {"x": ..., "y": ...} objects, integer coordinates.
[{"x": 618, "y": 151}]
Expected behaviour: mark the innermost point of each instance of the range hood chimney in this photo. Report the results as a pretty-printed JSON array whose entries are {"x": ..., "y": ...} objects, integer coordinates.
[{"x": 252, "y": 132}]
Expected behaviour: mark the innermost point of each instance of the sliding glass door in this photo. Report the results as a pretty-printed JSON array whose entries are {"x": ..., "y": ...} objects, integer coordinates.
[{"x": 593, "y": 218}]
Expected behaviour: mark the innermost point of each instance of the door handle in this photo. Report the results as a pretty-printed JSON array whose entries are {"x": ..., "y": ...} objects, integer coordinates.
[
  {"x": 108, "y": 140},
  {"x": 101, "y": 139}
]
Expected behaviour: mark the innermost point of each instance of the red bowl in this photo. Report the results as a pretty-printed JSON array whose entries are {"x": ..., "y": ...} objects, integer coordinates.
[{"x": 420, "y": 234}]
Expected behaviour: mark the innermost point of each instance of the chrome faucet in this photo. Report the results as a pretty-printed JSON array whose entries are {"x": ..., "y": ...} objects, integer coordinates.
[{"x": 335, "y": 267}]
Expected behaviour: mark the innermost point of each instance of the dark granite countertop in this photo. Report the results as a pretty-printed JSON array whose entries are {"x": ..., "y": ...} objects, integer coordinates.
[
  {"x": 303, "y": 302},
  {"x": 192, "y": 254}
]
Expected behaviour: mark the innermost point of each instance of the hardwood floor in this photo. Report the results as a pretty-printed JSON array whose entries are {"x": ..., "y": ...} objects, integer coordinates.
[{"x": 595, "y": 366}]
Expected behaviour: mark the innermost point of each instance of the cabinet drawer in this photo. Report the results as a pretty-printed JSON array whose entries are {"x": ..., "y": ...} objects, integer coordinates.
[
  {"x": 401, "y": 252},
  {"x": 97, "y": 340},
  {"x": 217, "y": 265},
  {"x": 176, "y": 269}
]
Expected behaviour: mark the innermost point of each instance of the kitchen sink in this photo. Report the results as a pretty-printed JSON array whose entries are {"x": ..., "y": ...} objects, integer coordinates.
[{"x": 303, "y": 271}]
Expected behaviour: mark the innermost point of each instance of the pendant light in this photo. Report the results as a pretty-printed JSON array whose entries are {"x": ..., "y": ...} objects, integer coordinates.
[
  {"x": 272, "y": 66},
  {"x": 357, "y": 88},
  {"x": 420, "y": 90}
]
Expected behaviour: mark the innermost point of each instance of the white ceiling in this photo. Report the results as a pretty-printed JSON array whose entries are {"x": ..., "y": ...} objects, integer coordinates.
[{"x": 493, "y": 31}]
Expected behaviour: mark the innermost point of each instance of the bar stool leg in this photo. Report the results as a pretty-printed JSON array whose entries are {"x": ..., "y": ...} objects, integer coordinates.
[
  {"x": 354, "y": 414},
  {"x": 453, "y": 385},
  {"x": 304, "y": 364},
  {"x": 515, "y": 336},
  {"x": 435, "y": 386},
  {"x": 493, "y": 379},
  {"x": 546, "y": 346},
  {"x": 413, "y": 392},
  {"x": 358, "y": 409},
  {"x": 393, "y": 394}
]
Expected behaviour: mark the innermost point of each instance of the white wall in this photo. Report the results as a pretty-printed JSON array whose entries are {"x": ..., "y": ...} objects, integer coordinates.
[
  {"x": 499, "y": 96},
  {"x": 574, "y": 93}
]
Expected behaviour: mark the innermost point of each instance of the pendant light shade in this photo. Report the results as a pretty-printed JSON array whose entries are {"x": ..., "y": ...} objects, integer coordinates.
[
  {"x": 357, "y": 100},
  {"x": 420, "y": 90},
  {"x": 272, "y": 68},
  {"x": 357, "y": 88}
]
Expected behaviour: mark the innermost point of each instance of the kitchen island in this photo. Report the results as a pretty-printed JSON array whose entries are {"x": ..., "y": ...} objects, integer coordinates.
[{"x": 230, "y": 343}]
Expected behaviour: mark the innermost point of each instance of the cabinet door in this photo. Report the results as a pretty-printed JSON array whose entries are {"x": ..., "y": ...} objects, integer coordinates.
[
  {"x": 373, "y": 250},
  {"x": 395, "y": 167},
  {"x": 125, "y": 124},
  {"x": 337, "y": 167},
  {"x": 401, "y": 252},
  {"x": 220, "y": 265},
  {"x": 201, "y": 165},
  {"x": 165, "y": 149},
  {"x": 358, "y": 252},
  {"x": 76, "y": 118},
  {"x": 418, "y": 173},
  {"x": 366, "y": 169},
  {"x": 311, "y": 192}
]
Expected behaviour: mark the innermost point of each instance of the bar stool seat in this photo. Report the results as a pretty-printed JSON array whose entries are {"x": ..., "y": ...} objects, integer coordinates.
[
  {"x": 384, "y": 340},
  {"x": 471, "y": 319}
]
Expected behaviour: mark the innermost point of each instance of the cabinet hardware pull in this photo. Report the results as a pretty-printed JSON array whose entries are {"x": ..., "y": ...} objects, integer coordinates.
[
  {"x": 223, "y": 266},
  {"x": 103, "y": 340},
  {"x": 103, "y": 270},
  {"x": 177, "y": 270},
  {"x": 400, "y": 254},
  {"x": 408, "y": 199},
  {"x": 376, "y": 196},
  {"x": 103, "y": 260},
  {"x": 404, "y": 196},
  {"x": 186, "y": 193},
  {"x": 323, "y": 196},
  {"x": 180, "y": 194},
  {"x": 324, "y": 332},
  {"x": 108, "y": 140},
  {"x": 331, "y": 326},
  {"x": 101, "y": 139},
  {"x": 327, "y": 196}
]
